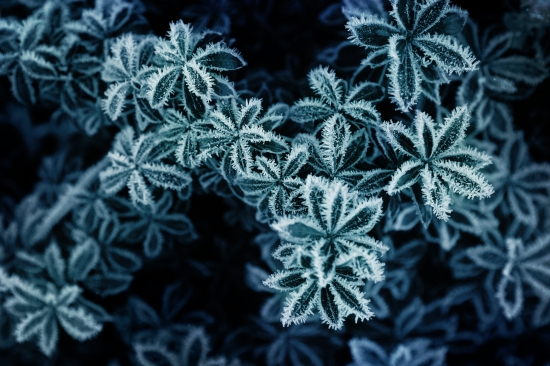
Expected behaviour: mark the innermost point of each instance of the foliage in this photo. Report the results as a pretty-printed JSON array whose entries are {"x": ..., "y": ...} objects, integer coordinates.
[{"x": 263, "y": 205}]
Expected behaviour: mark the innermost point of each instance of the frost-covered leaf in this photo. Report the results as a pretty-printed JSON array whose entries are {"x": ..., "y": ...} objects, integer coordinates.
[
  {"x": 218, "y": 57},
  {"x": 78, "y": 323},
  {"x": 83, "y": 259},
  {"x": 165, "y": 176},
  {"x": 161, "y": 85}
]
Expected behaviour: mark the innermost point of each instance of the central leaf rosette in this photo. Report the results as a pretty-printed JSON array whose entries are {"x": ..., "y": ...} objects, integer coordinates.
[{"x": 327, "y": 254}]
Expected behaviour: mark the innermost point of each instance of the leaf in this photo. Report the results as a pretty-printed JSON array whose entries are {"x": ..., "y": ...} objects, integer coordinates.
[
  {"x": 21, "y": 86},
  {"x": 429, "y": 14},
  {"x": 464, "y": 180},
  {"x": 165, "y": 176},
  {"x": 194, "y": 104},
  {"x": 308, "y": 110},
  {"x": 370, "y": 31},
  {"x": 218, "y": 57},
  {"x": 373, "y": 181},
  {"x": 330, "y": 313},
  {"x": 181, "y": 38},
  {"x": 286, "y": 280},
  {"x": 83, "y": 259},
  {"x": 366, "y": 352},
  {"x": 55, "y": 265},
  {"x": 123, "y": 260},
  {"x": 113, "y": 179},
  {"x": 403, "y": 13},
  {"x": 451, "y": 23},
  {"x": 68, "y": 295},
  {"x": 107, "y": 284},
  {"x": 139, "y": 192},
  {"x": 37, "y": 67},
  {"x": 446, "y": 53},
  {"x": 403, "y": 75},
  {"x": 452, "y": 131},
  {"x": 299, "y": 304},
  {"x": 154, "y": 355},
  {"x": 405, "y": 176},
  {"x": 352, "y": 299},
  {"x": 78, "y": 323},
  {"x": 154, "y": 239},
  {"x": 401, "y": 139},
  {"x": 510, "y": 295},
  {"x": 362, "y": 112},
  {"x": 410, "y": 317},
  {"x": 520, "y": 69},
  {"x": 487, "y": 256},
  {"x": 31, "y": 324},
  {"x": 161, "y": 85},
  {"x": 367, "y": 91},
  {"x": 198, "y": 80},
  {"x": 325, "y": 84},
  {"x": 31, "y": 32},
  {"x": 47, "y": 339},
  {"x": 115, "y": 98}
]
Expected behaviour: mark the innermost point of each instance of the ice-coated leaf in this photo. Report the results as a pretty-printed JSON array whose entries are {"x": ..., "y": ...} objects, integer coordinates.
[
  {"x": 161, "y": 85},
  {"x": 113, "y": 179},
  {"x": 55, "y": 265},
  {"x": 370, "y": 31},
  {"x": 464, "y": 180},
  {"x": 447, "y": 53},
  {"x": 519, "y": 69},
  {"x": 373, "y": 181},
  {"x": 181, "y": 38},
  {"x": 401, "y": 139},
  {"x": 510, "y": 295},
  {"x": 452, "y": 130},
  {"x": 330, "y": 312},
  {"x": 115, "y": 98},
  {"x": 308, "y": 110},
  {"x": 324, "y": 82},
  {"x": 352, "y": 299},
  {"x": 403, "y": 74},
  {"x": 487, "y": 256},
  {"x": 139, "y": 192},
  {"x": 366, "y": 352},
  {"x": 31, "y": 324},
  {"x": 165, "y": 176},
  {"x": 21, "y": 86},
  {"x": 49, "y": 334},
  {"x": 68, "y": 295},
  {"x": 299, "y": 305},
  {"x": 429, "y": 14},
  {"x": 363, "y": 112},
  {"x": 123, "y": 260},
  {"x": 407, "y": 175},
  {"x": 106, "y": 284},
  {"x": 451, "y": 23},
  {"x": 286, "y": 280},
  {"x": 31, "y": 32},
  {"x": 198, "y": 80},
  {"x": 37, "y": 67},
  {"x": 83, "y": 259},
  {"x": 218, "y": 57},
  {"x": 403, "y": 13},
  {"x": 435, "y": 195},
  {"x": 78, "y": 323},
  {"x": 154, "y": 355},
  {"x": 367, "y": 91}
]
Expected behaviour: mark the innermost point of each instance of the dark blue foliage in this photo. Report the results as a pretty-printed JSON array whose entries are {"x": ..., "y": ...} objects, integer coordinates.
[{"x": 239, "y": 182}]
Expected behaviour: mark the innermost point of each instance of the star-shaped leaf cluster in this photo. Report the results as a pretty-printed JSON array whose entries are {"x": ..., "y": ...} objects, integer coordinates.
[
  {"x": 327, "y": 254},
  {"x": 437, "y": 161},
  {"x": 417, "y": 45}
]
